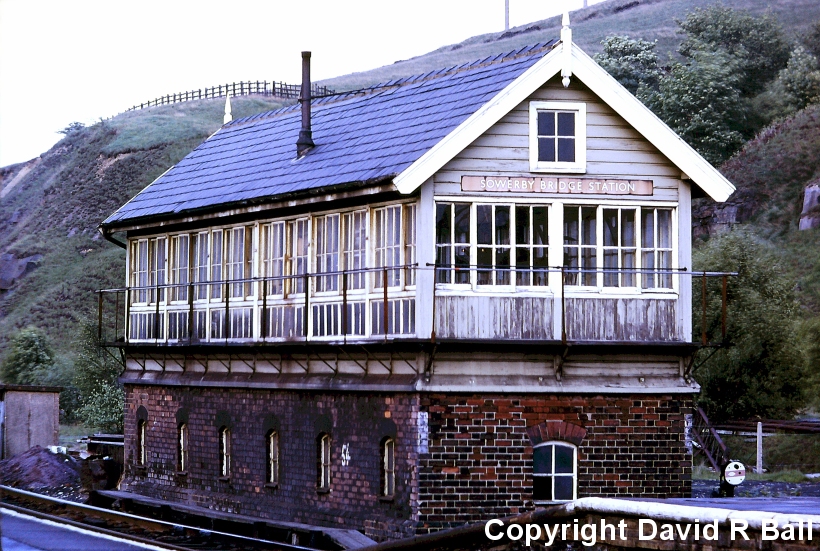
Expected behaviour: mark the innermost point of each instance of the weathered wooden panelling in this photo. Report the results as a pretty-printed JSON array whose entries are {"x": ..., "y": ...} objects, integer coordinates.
[
  {"x": 493, "y": 317},
  {"x": 614, "y": 148},
  {"x": 621, "y": 319}
]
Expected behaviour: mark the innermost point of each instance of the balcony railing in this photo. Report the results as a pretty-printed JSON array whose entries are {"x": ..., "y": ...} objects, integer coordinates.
[{"x": 476, "y": 302}]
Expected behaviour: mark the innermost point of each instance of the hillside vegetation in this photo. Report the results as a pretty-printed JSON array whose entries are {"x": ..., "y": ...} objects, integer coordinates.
[{"x": 51, "y": 206}]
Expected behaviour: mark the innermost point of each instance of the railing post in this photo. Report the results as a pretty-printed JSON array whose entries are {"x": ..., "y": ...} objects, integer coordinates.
[
  {"x": 386, "y": 322},
  {"x": 190, "y": 312},
  {"x": 263, "y": 325},
  {"x": 307, "y": 306},
  {"x": 703, "y": 338},
  {"x": 344, "y": 305},
  {"x": 156, "y": 314},
  {"x": 227, "y": 324},
  {"x": 116, "y": 314},
  {"x": 723, "y": 310},
  {"x": 563, "y": 308},
  {"x": 127, "y": 322}
]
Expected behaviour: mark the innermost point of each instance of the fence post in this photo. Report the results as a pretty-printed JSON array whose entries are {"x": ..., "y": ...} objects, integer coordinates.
[{"x": 759, "y": 448}]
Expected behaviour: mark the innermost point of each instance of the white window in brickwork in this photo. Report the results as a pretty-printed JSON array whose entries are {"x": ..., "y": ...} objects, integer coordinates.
[
  {"x": 388, "y": 467},
  {"x": 557, "y": 136},
  {"x": 323, "y": 463},
  {"x": 224, "y": 452},
  {"x": 554, "y": 471},
  {"x": 182, "y": 447},
  {"x": 142, "y": 454},
  {"x": 272, "y": 455}
]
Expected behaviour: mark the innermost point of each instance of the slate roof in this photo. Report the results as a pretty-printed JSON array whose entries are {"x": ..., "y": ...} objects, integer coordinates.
[{"x": 364, "y": 136}]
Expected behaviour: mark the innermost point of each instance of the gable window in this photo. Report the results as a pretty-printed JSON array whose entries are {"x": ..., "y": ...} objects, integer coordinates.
[
  {"x": 388, "y": 467},
  {"x": 557, "y": 136},
  {"x": 182, "y": 447},
  {"x": 272, "y": 453},
  {"x": 554, "y": 471},
  {"x": 224, "y": 452},
  {"x": 601, "y": 245},
  {"x": 323, "y": 463}
]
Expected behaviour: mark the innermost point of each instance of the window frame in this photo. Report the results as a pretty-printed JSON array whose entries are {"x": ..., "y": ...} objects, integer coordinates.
[
  {"x": 324, "y": 449},
  {"x": 579, "y": 109},
  {"x": 388, "y": 468},
  {"x": 182, "y": 448},
  {"x": 142, "y": 435},
  {"x": 272, "y": 458},
  {"x": 224, "y": 437},
  {"x": 552, "y": 475}
]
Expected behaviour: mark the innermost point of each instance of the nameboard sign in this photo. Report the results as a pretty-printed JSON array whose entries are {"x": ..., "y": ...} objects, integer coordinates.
[{"x": 555, "y": 184}]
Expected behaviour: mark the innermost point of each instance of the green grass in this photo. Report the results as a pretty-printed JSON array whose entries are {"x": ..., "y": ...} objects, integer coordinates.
[
  {"x": 702, "y": 472},
  {"x": 69, "y": 434}
]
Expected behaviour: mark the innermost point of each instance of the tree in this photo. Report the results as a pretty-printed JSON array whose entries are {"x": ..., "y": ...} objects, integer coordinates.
[
  {"x": 632, "y": 62},
  {"x": 72, "y": 128},
  {"x": 756, "y": 44},
  {"x": 801, "y": 78},
  {"x": 95, "y": 375},
  {"x": 29, "y": 360},
  {"x": 701, "y": 102},
  {"x": 762, "y": 371}
]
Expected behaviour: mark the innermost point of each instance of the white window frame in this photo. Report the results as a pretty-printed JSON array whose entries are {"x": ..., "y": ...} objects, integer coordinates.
[
  {"x": 552, "y": 475},
  {"x": 272, "y": 453},
  {"x": 580, "y": 163}
]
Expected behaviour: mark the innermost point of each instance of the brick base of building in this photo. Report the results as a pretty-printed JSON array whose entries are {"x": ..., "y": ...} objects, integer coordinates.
[{"x": 459, "y": 458}]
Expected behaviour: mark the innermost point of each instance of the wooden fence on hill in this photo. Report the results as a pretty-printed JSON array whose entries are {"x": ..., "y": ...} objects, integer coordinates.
[{"x": 261, "y": 88}]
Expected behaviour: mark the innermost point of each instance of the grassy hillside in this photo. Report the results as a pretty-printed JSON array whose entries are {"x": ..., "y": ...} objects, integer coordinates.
[
  {"x": 52, "y": 205},
  {"x": 55, "y": 208},
  {"x": 647, "y": 19}
]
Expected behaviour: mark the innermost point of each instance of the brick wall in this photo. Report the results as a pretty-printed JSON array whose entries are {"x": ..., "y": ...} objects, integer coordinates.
[
  {"x": 353, "y": 501},
  {"x": 479, "y": 464}
]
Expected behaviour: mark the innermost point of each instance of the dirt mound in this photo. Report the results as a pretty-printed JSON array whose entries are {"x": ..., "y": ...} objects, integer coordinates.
[{"x": 38, "y": 469}]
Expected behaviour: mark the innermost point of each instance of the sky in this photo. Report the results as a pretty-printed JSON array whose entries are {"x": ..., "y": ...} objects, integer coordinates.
[{"x": 81, "y": 60}]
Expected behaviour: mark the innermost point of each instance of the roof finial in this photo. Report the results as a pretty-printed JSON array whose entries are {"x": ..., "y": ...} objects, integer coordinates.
[
  {"x": 228, "y": 118},
  {"x": 566, "y": 42}
]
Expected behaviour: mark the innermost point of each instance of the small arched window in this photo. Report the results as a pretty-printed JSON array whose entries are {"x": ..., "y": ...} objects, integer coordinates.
[
  {"x": 224, "y": 452},
  {"x": 182, "y": 447},
  {"x": 272, "y": 453},
  {"x": 323, "y": 463},
  {"x": 388, "y": 467},
  {"x": 554, "y": 471},
  {"x": 142, "y": 454}
]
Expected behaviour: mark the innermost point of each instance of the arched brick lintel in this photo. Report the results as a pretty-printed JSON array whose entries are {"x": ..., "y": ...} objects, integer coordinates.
[{"x": 556, "y": 430}]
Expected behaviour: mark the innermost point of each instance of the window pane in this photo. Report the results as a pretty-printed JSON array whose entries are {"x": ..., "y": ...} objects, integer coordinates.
[
  {"x": 546, "y": 123},
  {"x": 462, "y": 254},
  {"x": 542, "y": 488},
  {"x": 540, "y": 262},
  {"x": 484, "y": 259},
  {"x": 522, "y": 264},
  {"x": 566, "y": 124},
  {"x": 564, "y": 456},
  {"x": 462, "y": 223},
  {"x": 546, "y": 149},
  {"x": 539, "y": 225},
  {"x": 627, "y": 228},
  {"x": 570, "y": 225},
  {"x": 610, "y": 220},
  {"x": 610, "y": 268},
  {"x": 588, "y": 265},
  {"x": 589, "y": 226},
  {"x": 665, "y": 228},
  {"x": 563, "y": 487},
  {"x": 647, "y": 229},
  {"x": 522, "y": 225},
  {"x": 566, "y": 150},
  {"x": 502, "y": 225},
  {"x": 502, "y": 260},
  {"x": 628, "y": 263},
  {"x": 443, "y": 215},
  {"x": 542, "y": 459},
  {"x": 484, "y": 224}
]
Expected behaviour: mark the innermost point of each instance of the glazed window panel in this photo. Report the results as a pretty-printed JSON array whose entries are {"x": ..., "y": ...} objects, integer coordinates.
[
  {"x": 272, "y": 453},
  {"x": 156, "y": 269},
  {"x": 182, "y": 447},
  {"x": 619, "y": 247},
  {"x": 580, "y": 245},
  {"x": 387, "y": 230},
  {"x": 388, "y": 467},
  {"x": 453, "y": 237},
  {"x": 274, "y": 257},
  {"x": 179, "y": 267},
  {"x": 355, "y": 248},
  {"x": 216, "y": 264},
  {"x": 656, "y": 248},
  {"x": 199, "y": 267},
  {"x": 139, "y": 262},
  {"x": 531, "y": 245},
  {"x": 323, "y": 481},
  {"x": 493, "y": 244},
  {"x": 298, "y": 239},
  {"x": 238, "y": 251},
  {"x": 142, "y": 453},
  {"x": 224, "y": 452},
  {"x": 327, "y": 252},
  {"x": 410, "y": 242},
  {"x": 554, "y": 472}
]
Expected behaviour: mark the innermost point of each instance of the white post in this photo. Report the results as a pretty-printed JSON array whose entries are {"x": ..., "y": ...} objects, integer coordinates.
[{"x": 759, "y": 447}]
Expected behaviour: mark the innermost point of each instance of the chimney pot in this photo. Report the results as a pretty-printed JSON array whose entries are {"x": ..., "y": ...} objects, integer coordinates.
[{"x": 305, "y": 141}]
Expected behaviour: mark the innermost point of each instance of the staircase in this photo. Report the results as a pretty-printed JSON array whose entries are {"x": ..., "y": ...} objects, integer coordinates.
[{"x": 707, "y": 441}]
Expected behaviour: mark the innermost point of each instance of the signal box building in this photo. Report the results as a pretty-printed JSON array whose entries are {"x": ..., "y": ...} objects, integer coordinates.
[{"x": 462, "y": 298}]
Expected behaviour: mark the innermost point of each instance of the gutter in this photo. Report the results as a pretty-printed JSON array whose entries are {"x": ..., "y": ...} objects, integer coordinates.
[{"x": 109, "y": 237}]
